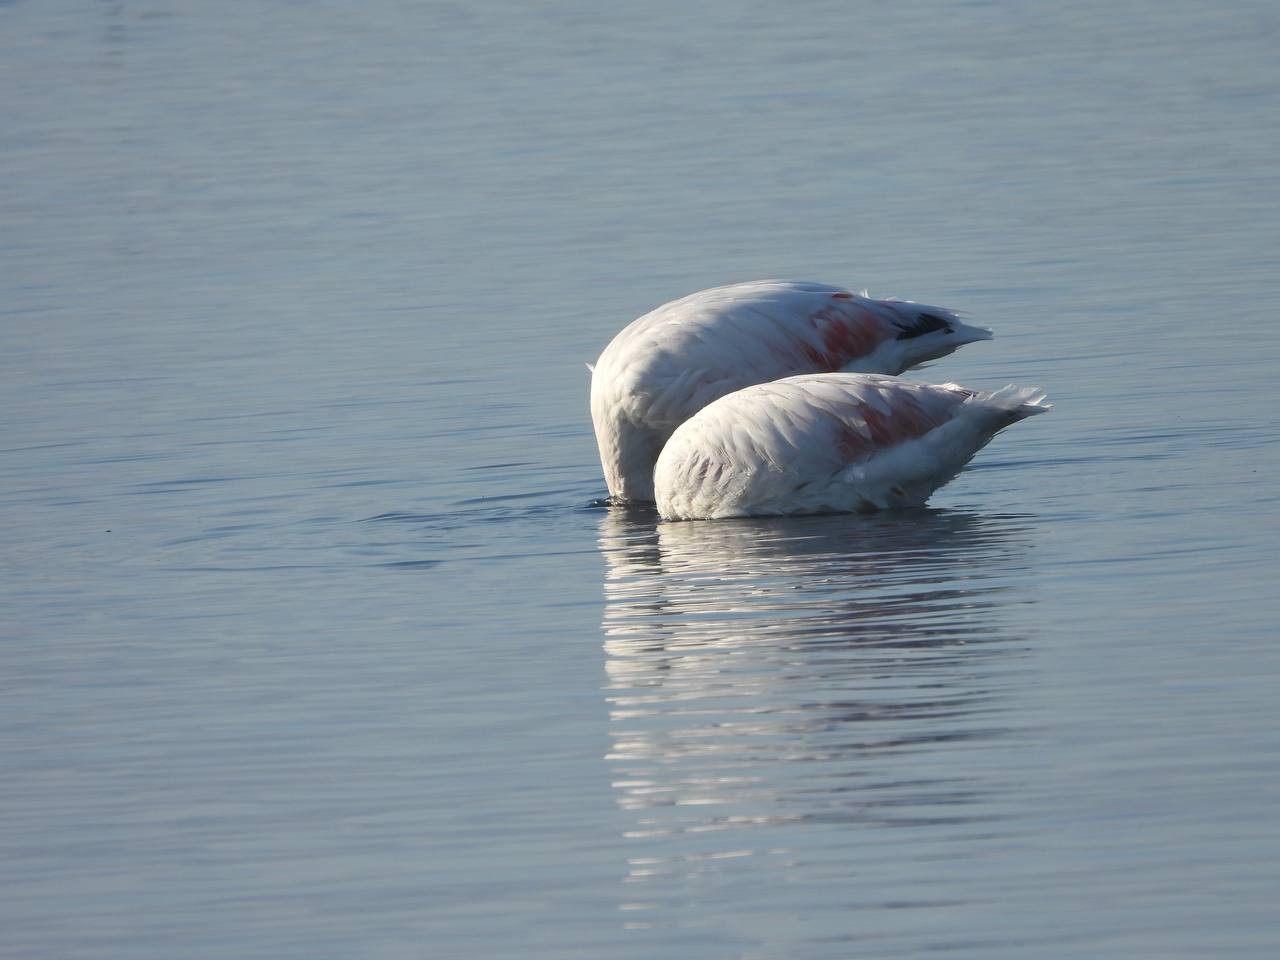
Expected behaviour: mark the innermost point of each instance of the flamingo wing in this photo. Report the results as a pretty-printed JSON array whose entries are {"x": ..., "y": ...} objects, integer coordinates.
[
  {"x": 675, "y": 360},
  {"x": 827, "y": 442}
]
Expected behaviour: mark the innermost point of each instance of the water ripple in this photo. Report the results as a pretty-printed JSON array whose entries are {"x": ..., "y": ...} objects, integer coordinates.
[{"x": 768, "y": 677}]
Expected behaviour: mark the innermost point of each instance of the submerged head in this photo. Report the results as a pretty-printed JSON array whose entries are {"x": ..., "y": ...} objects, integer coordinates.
[
  {"x": 629, "y": 444},
  {"x": 628, "y": 452}
]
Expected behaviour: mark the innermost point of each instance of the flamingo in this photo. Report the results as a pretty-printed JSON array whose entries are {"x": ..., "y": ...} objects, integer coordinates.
[
  {"x": 829, "y": 443},
  {"x": 672, "y": 362}
]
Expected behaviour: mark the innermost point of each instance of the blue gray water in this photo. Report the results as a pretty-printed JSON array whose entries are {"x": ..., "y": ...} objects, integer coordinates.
[{"x": 313, "y": 643}]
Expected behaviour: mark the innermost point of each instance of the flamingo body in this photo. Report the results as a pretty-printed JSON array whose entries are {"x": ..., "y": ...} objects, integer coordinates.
[
  {"x": 828, "y": 443},
  {"x": 673, "y": 361}
]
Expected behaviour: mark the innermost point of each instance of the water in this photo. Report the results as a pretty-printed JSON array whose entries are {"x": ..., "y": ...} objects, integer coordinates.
[{"x": 313, "y": 645}]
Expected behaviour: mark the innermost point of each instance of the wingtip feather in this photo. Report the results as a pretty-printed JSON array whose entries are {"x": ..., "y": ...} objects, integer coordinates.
[{"x": 1026, "y": 401}]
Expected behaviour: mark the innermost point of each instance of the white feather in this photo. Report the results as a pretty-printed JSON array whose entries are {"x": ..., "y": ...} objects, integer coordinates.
[
  {"x": 822, "y": 443},
  {"x": 672, "y": 362}
]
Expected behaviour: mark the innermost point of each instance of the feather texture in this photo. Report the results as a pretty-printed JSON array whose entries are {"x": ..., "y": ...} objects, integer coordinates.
[
  {"x": 823, "y": 443},
  {"x": 672, "y": 362}
]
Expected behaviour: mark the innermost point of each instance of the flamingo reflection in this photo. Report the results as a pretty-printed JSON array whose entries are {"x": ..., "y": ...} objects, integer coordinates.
[{"x": 789, "y": 673}]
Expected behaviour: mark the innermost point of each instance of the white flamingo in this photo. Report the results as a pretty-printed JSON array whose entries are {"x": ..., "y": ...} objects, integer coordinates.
[
  {"x": 673, "y": 361},
  {"x": 824, "y": 443}
]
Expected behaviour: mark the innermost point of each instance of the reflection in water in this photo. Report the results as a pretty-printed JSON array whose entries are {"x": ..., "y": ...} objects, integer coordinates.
[{"x": 781, "y": 690}]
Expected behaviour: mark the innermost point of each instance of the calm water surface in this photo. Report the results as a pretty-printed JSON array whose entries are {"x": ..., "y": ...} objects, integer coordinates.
[{"x": 313, "y": 644}]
